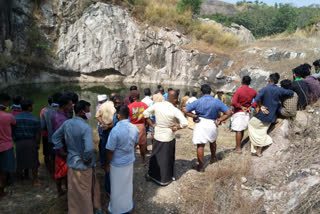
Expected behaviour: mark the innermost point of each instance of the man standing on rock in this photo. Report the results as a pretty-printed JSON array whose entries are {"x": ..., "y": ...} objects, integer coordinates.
[
  {"x": 161, "y": 164},
  {"x": 241, "y": 102},
  {"x": 83, "y": 186},
  {"x": 207, "y": 119}
]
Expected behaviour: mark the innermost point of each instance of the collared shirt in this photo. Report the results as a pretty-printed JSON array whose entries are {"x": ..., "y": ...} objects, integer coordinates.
[
  {"x": 207, "y": 107},
  {"x": 269, "y": 97},
  {"x": 191, "y": 100},
  {"x": 7, "y": 121},
  {"x": 289, "y": 104},
  {"x": 79, "y": 142},
  {"x": 302, "y": 89},
  {"x": 158, "y": 98},
  {"x": 46, "y": 121},
  {"x": 106, "y": 111},
  {"x": 147, "y": 100},
  {"x": 184, "y": 101},
  {"x": 243, "y": 97},
  {"x": 27, "y": 127},
  {"x": 122, "y": 139},
  {"x": 57, "y": 120},
  {"x": 167, "y": 116}
]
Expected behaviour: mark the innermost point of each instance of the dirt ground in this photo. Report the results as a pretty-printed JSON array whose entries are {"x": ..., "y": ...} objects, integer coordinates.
[{"x": 178, "y": 197}]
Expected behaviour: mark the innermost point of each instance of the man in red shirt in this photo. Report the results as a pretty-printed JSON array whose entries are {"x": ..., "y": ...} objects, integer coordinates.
[
  {"x": 136, "y": 117},
  {"x": 7, "y": 159},
  {"x": 241, "y": 102}
]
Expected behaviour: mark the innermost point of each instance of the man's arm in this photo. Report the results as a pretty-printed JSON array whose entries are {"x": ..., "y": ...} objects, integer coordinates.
[
  {"x": 110, "y": 146},
  {"x": 109, "y": 156},
  {"x": 88, "y": 146},
  {"x": 189, "y": 108},
  {"x": 149, "y": 111},
  {"x": 57, "y": 138},
  {"x": 225, "y": 116}
]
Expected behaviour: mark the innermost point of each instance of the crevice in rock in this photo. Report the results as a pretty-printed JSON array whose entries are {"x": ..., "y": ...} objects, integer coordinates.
[{"x": 104, "y": 72}]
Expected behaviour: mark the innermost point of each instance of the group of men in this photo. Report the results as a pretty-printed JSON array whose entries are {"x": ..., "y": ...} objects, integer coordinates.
[{"x": 123, "y": 126}]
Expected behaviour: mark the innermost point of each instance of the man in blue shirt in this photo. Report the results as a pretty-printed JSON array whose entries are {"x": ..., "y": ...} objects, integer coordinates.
[
  {"x": 166, "y": 94},
  {"x": 207, "y": 119},
  {"x": 120, "y": 159},
  {"x": 83, "y": 186}
]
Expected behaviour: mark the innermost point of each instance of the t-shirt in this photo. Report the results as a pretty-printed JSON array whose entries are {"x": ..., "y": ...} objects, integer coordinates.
[
  {"x": 7, "y": 120},
  {"x": 136, "y": 112},
  {"x": 243, "y": 97},
  {"x": 106, "y": 111}
]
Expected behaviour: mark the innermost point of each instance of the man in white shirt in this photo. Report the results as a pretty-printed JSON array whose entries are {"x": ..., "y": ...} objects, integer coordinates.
[
  {"x": 147, "y": 99},
  {"x": 161, "y": 164}
]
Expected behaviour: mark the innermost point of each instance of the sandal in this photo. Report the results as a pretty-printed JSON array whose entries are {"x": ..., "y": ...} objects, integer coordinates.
[{"x": 255, "y": 154}]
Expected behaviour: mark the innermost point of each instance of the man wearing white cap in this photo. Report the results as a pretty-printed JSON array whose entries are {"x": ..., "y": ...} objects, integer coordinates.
[{"x": 102, "y": 98}]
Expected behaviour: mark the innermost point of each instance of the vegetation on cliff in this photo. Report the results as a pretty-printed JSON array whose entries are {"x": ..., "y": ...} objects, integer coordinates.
[{"x": 263, "y": 20}]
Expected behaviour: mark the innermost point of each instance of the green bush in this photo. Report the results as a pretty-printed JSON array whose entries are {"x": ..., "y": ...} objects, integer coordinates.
[{"x": 195, "y": 5}]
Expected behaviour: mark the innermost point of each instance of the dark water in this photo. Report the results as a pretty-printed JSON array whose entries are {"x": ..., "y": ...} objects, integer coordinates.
[{"x": 39, "y": 93}]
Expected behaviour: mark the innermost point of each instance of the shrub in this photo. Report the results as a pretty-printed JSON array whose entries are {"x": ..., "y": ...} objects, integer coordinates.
[{"x": 194, "y": 5}]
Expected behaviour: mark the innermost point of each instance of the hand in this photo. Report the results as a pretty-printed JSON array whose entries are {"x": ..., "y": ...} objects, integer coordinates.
[
  {"x": 174, "y": 128},
  {"x": 264, "y": 110},
  {"x": 104, "y": 127},
  {"x": 244, "y": 109},
  {"x": 217, "y": 122},
  {"x": 154, "y": 125},
  {"x": 107, "y": 168},
  {"x": 196, "y": 119}
]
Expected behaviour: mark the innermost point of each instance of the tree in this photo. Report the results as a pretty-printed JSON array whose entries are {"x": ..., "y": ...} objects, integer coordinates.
[{"x": 194, "y": 5}]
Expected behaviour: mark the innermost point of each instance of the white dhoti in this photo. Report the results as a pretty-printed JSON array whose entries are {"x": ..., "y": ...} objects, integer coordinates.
[
  {"x": 258, "y": 134},
  {"x": 205, "y": 131},
  {"x": 121, "y": 180},
  {"x": 239, "y": 121}
]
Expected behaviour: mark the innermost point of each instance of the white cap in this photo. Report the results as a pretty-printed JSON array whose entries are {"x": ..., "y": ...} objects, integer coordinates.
[{"x": 102, "y": 97}]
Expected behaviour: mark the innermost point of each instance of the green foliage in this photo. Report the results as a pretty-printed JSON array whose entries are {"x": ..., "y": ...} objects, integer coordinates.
[
  {"x": 218, "y": 17},
  {"x": 195, "y": 5},
  {"x": 37, "y": 43},
  {"x": 263, "y": 20}
]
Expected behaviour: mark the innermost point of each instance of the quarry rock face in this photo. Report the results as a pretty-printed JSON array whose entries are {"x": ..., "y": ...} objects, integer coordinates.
[{"x": 106, "y": 37}]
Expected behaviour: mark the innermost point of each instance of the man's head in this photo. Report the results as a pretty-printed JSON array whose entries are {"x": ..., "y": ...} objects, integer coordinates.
[
  {"x": 205, "y": 89},
  {"x": 147, "y": 92},
  {"x": 173, "y": 97},
  {"x": 194, "y": 94},
  {"x": 297, "y": 72},
  {"x": 161, "y": 90},
  {"x": 134, "y": 96},
  {"x": 170, "y": 89},
  {"x": 123, "y": 112},
  {"x": 50, "y": 100},
  {"x": 17, "y": 99},
  {"x": 82, "y": 109},
  {"x": 187, "y": 93},
  {"x": 112, "y": 95},
  {"x": 316, "y": 65},
  {"x": 286, "y": 84},
  {"x": 102, "y": 98},
  {"x": 26, "y": 105},
  {"x": 65, "y": 103},
  {"x": 158, "y": 87},
  {"x": 117, "y": 101},
  {"x": 133, "y": 87},
  {"x": 274, "y": 78},
  {"x": 306, "y": 70},
  {"x": 220, "y": 93},
  {"x": 4, "y": 101},
  {"x": 246, "y": 80},
  {"x": 74, "y": 97},
  {"x": 55, "y": 98}
]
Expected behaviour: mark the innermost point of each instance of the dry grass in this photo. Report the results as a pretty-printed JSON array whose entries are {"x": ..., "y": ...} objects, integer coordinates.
[{"x": 219, "y": 191}]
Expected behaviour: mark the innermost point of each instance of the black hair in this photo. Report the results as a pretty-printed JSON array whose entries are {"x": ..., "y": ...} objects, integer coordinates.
[
  {"x": 4, "y": 97},
  {"x": 205, "y": 89},
  {"x": 64, "y": 100},
  {"x": 74, "y": 97},
  {"x": 81, "y": 106},
  {"x": 147, "y": 92},
  {"x": 297, "y": 71},
  {"x": 286, "y": 84},
  {"x": 26, "y": 104},
  {"x": 170, "y": 89},
  {"x": 274, "y": 77},
  {"x": 316, "y": 63},
  {"x": 306, "y": 70},
  {"x": 117, "y": 97},
  {"x": 161, "y": 90},
  {"x": 246, "y": 80},
  {"x": 159, "y": 86},
  {"x": 123, "y": 111},
  {"x": 17, "y": 99},
  {"x": 50, "y": 100},
  {"x": 194, "y": 93},
  {"x": 133, "y": 87},
  {"x": 187, "y": 93},
  {"x": 56, "y": 96}
]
